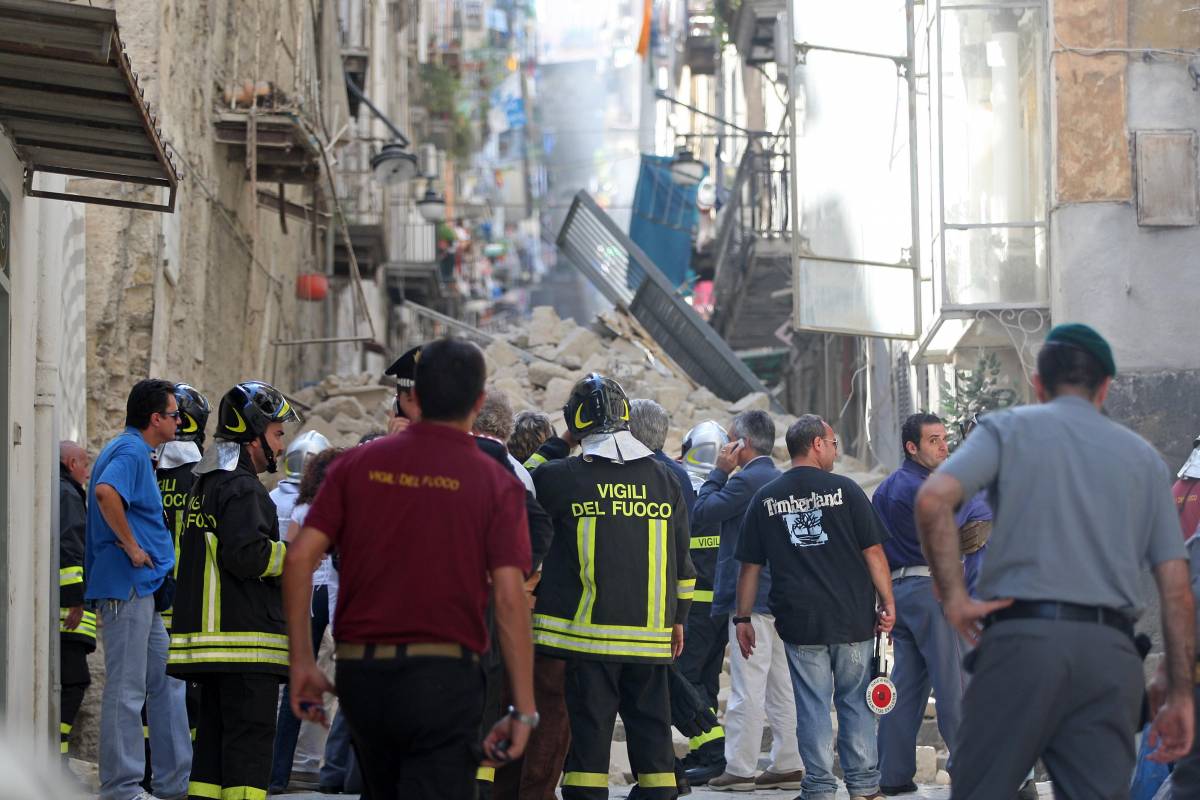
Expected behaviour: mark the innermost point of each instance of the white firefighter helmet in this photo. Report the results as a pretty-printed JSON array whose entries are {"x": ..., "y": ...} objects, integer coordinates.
[
  {"x": 1191, "y": 467},
  {"x": 301, "y": 449},
  {"x": 700, "y": 448}
]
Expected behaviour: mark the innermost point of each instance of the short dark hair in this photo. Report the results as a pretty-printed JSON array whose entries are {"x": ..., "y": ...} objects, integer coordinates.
[
  {"x": 450, "y": 377},
  {"x": 757, "y": 428},
  {"x": 801, "y": 434},
  {"x": 530, "y": 430},
  {"x": 1060, "y": 364},
  {"x": 911, "y": 430},
  {"x": 147, "y": 398}
]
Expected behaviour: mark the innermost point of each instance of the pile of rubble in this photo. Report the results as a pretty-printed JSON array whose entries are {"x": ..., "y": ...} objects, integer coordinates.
[{"x": 538, "y": 362}]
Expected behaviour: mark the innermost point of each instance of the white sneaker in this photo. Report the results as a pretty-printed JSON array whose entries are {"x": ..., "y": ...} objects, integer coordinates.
[{"x": 144, "y": 796}]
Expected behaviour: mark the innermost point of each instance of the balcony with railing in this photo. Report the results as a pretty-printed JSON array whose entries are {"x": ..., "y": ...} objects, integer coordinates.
[{"x": 751, "y": 253}]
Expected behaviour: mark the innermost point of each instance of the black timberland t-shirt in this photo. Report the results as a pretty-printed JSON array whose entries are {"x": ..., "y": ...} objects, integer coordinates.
[{"x": 811, "y": 527}]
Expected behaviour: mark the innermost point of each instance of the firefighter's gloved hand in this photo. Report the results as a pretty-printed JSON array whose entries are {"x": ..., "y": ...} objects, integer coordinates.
[{"x": 690, "y": 715}]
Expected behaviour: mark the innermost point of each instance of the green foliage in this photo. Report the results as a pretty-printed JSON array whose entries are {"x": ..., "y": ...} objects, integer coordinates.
[
  {"x": 439, "y": 89},
  {"x": 975, "y": 391}
]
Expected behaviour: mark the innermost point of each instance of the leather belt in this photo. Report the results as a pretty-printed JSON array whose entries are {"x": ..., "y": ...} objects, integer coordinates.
[
  {"x": 1073, "y": 612},
  {"x": 349, "y": 651},
  {"x": 916, "y": 571}
]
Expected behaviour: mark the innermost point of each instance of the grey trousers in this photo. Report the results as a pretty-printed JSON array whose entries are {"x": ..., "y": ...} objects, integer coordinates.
[
  {"x": 1067, "y": 692},
  {"x": 928, "y": 653}
]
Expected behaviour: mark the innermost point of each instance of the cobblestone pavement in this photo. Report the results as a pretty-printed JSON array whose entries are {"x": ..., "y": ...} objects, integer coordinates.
[{"x": 618, "y": 792}]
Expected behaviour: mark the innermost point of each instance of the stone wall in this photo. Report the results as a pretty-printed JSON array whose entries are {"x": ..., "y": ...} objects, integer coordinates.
[{"x": 182, "y": 297}]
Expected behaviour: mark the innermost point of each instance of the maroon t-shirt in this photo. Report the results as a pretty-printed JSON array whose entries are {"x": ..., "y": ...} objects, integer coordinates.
[
  {"x": 419, "y": 519},
  {"x": 1187, "y": 502}
]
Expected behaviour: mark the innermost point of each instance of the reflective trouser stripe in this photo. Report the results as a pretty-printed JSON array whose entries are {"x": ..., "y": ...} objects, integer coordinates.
[
  {"x": 242, "y": 793},
  {"x": 590, "y": 779},
  {"x": 204, "y": 790},
  {"x": 64, "y": 729},
  {"x": 656, "y": 780},
  {"x": 487, "y": 774},
  {"x": 64, "y": 747},
  {"x": 696, "y": 742},
  {"x": 145, "y": 732},
  {"x": 64, "y": 733},
  {"x": 702, "y": 596}
]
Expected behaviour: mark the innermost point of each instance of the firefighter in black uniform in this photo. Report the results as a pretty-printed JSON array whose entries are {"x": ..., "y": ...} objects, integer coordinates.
[
  {"x": 707, "y": 635},
  {"x": 174, "y": 463},
  {"x": 228, "y": 632},
  {"x": 615, "y": 591},
  {"x": 76, "y": 626}
]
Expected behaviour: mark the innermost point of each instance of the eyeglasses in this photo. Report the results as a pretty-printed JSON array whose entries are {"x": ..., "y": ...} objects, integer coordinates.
[
  {"x": 833, "y": 441},
  {"x": 172, "y": 414}
]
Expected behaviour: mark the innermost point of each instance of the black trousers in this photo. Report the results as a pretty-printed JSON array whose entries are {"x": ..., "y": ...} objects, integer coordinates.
[
  {"x": 703, "y": 655},
  {"x": 596, "y": 692},
  {"x": 75, "y": 678},
  {"x": 415, "y": 725},
  {"x": 234, "y": 734}
]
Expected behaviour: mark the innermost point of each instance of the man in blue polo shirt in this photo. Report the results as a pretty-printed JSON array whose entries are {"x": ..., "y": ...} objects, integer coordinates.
[
  {"x": 129, "y": 552},
  {"x": 928, "y": 651}
]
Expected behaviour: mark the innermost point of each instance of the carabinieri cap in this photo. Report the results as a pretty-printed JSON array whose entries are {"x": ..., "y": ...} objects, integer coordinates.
[{"x": 404, "y": 369}]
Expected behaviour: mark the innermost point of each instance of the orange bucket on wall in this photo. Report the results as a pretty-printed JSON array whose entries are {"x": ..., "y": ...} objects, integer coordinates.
[{"x": 312, "y": 286}]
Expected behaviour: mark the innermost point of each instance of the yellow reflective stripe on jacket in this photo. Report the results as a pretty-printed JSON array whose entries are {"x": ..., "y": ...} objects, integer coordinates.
[
  {"x": 243, "y": 793},
  {"x": 704, "y": 542},
  {"x": 702, "y": 596},
  {"x": 69, "y": 576},
  {"x": 86, "y": 627},
  {"x": 594, "y": 780},
  {"x": 275, "y": 563},
  {"x": 656, "y": 780},
  {"x": 585, "y": 541},
  {"x": 211, "y": 790},
  {"x": 64, "y": 729},
  {"x": 601, "y": 631},
  {"x": 64, "y": 748},
  {"x": 656, "y": 574},
  {"x": 685, "y": 589},
  {"x": 532, "y": 463},
  {"x": 210, "y": 611},
  {"x": 238, "y": 648},
  {"x": 602, "y": 647}
]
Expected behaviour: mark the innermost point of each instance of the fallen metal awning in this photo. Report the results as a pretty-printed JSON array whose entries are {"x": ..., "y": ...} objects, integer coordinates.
[{"x": 71, "y": 104}]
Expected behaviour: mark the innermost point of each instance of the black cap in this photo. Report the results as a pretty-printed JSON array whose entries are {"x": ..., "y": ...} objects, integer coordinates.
[{"x": 405, "y": 369}]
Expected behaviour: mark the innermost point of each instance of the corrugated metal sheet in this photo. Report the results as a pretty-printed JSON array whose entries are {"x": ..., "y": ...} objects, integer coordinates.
[
  {"x": 591, "y": 241},
  {"x": 71, "y": 103}
]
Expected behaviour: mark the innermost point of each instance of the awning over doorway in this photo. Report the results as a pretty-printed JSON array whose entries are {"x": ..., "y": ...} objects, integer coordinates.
[{"x": 71, "y": 104}]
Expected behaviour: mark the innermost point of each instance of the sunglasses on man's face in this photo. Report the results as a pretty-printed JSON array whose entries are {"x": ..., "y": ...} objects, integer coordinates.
[{"x": 172, "y": 414}]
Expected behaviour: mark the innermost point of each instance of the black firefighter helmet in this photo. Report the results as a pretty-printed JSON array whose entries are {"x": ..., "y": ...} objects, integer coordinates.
[
  {"x": 193, "y": 413},
  {"x": 246, "y": 411},
  {"x": 597, "y": 405}
]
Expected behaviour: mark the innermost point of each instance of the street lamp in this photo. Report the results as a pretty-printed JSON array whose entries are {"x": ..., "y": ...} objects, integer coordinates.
[
  {"x": 393, "y": 163},
  {"x": 685, "y": 169},
  {"x": 431, "y": 206}
]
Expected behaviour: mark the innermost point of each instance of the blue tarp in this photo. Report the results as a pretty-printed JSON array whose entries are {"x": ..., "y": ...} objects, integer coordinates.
[{"x": 664, "y": 218}]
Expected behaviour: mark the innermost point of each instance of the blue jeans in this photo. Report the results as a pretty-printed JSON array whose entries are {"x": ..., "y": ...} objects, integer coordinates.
[
  {"x": 287, "y": 726},
  {"x": 340, "y": 769},
  {"x": 135, "y": 665},
  {"x": 840, "y": 671}
]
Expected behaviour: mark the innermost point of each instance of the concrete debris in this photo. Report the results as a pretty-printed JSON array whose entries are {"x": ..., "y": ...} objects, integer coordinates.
[{"x": 926, "y": 765}]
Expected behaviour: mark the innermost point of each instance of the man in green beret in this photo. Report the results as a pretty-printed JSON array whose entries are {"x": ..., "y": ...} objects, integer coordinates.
[{"x": 1082, "y": 505}]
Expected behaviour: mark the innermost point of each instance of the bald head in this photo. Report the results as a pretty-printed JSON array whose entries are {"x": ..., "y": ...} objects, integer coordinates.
[{"x": 75, "y": 460}]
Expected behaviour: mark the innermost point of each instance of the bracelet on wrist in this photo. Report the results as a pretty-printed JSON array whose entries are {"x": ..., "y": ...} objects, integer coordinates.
[
  {"x": 741, "y": 620},
  {"x": 531, "y": 720}
]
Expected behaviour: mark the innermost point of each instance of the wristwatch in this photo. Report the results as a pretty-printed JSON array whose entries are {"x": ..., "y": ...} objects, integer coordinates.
[
  {"x": 531, "y": 720},
  {"x": 740, "y": 620}
]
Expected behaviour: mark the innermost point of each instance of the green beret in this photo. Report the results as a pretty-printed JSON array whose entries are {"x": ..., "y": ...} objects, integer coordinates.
[{"x": 1084, "y": 337}]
